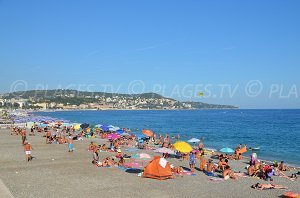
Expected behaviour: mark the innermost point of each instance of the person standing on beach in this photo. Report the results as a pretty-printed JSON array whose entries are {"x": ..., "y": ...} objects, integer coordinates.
[
  {"x": 27, "y": 149},
  {"x": 23, "y": 135},
  {"x": 70, "y": 144},
  {"x": 192, "y": 162},
  {"x": 201, "y": 144},
  {"x": 48, "y": 137}
]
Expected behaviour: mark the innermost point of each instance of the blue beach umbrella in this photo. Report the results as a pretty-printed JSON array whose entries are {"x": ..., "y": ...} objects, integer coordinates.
[
  {"x": 120, "y": 131},
  {"x": 104, "y": 127},
  {"x": 227, "y": 150}
]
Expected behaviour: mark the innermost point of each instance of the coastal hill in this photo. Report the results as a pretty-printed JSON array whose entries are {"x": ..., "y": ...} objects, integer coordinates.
[{"x": 74, "y": 99}]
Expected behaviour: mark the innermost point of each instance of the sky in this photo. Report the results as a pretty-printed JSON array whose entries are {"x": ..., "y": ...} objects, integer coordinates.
[{"x": 242, "y": 53}]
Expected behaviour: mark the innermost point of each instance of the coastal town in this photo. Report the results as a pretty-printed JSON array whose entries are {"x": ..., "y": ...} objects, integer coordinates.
[{"x": 73, "y": 100}]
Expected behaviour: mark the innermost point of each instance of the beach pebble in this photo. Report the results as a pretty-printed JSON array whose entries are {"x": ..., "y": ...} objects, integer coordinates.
[
  {"x": 53, "y": 159},
  {"x": 17, "y": 172}
]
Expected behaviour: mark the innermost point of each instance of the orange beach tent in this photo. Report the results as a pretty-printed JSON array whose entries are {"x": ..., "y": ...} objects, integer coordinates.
[
  {"x": 158, "y": 168},
  {"x": 242, "y": 150}
]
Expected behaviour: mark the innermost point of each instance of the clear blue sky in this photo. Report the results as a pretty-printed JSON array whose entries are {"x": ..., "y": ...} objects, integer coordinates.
[{"x": 182, "y": 46}]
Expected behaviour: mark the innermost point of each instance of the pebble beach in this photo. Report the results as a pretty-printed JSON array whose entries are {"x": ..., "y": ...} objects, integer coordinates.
[{"x": 57, "y": 173}]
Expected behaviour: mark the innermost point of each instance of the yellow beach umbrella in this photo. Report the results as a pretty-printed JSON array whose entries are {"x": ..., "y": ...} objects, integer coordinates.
[
  {"x": 183, "y": 147},
  {"x": 77, "y": 127}
]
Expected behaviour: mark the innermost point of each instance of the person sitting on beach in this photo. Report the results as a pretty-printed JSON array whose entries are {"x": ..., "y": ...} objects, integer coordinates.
[
  {"x": 121, "y": 161},
  {"x": 228, "y": 173},
  {"x": 259, "y": 186},
  {"x": 283, "y": 167},
  {"x": 222, "y": 163},
  {"x": 92, "y": 146},
  {"x": 104, "y": 148},
  {"x": 170, "y": 146},
  {"x": 210, "y": 168},
  {"x": 238, "y": 157},
  {"x": 178, "y": 171},
  {"x": 230, "y": 157},
  {"x": 119, "y": 153},
  {"x": 252, "y": 171}
]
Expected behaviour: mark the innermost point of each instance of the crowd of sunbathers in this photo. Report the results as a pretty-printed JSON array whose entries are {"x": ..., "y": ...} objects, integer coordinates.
[{"x": 222, "y": 168}]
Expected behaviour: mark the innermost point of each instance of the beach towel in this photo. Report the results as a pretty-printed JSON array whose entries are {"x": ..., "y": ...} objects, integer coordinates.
[
  {"x": 122, "y": 168},
  {"x": 241, "y": 174},
  {"x": 216, "y": 179},
  {"x": 210, "y": 174},
  {"x": 131, "y": 149}
]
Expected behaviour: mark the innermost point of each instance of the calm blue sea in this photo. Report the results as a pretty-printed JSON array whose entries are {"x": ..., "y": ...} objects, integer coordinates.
[{"x": 276, "y": 132}]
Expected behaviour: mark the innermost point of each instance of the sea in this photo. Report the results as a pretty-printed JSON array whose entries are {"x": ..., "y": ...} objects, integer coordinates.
[{"x": 275, "y": 132}]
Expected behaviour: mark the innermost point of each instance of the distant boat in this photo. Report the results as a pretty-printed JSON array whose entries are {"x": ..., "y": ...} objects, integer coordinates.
[{"x": 255, "y": 148}]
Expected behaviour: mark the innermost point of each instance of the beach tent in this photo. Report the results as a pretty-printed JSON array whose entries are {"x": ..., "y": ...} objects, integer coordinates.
[
  {"x": 159, "y": 168},
  {"x": 242, "y": 150}
]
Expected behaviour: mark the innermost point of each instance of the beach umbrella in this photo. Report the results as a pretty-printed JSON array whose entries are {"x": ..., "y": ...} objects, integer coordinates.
[
  {"x": 120, "y": 131},
  {"x": 164, "y": 150},
  {"x": 227, "y": 150},
  {"x": 194, "y": 140},
  {"x": 66, "y": 124},
  {"x": 77, "y": 126},
  {"x": 183, "y": 147},
  {"x": 84, "y": 125},
  {"x": 125, "y": 134},
  {"x": 43, "y": 125},
  {"x": 104, "y": 127},
  {"x": 98, "y": 126},
  {"x": 113, "y": 136},
  {"x": 148, "y": 133}
]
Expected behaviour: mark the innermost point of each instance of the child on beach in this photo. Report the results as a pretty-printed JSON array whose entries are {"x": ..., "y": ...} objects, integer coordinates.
[
  {"x": 192, "y": 161},
  {"x": 70, "y": 144}
]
